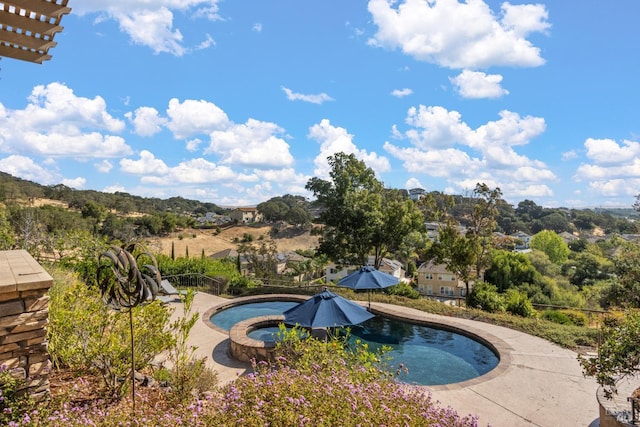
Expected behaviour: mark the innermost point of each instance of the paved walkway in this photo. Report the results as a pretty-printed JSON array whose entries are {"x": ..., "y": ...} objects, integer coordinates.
[{"x": 536, "y": 383}]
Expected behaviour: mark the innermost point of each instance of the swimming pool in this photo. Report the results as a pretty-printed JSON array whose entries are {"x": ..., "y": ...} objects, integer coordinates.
[{"x": 432, "y": 356}]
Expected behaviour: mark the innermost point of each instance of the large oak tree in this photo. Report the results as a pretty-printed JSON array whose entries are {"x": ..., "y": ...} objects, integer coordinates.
[{"x": 359, "y": 216}]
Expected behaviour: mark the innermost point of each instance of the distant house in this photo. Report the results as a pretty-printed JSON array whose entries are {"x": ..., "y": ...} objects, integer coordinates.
[
  {"x": 416, "y": 193},
  {"x": 568, "y": 237},
  {"x": 333, "y": 273},
  {"x": 233, "y": 255},
  {"x": 434, "y": 280},
  {"x": 213, "y": 218},
  {"x": 521, "y": 240},
  {"x": 246, "y": 215}
]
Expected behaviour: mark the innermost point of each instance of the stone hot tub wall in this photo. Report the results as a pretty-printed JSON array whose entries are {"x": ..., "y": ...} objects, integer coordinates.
[{"x": 24, "y": 314}]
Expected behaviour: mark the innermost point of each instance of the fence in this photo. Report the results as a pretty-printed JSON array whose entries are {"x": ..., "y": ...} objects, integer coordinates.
[{"x": 199, "y": 282}]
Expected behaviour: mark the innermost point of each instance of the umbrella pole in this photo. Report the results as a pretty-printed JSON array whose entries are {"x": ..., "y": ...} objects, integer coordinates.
[{"x": 369, "y": 294}]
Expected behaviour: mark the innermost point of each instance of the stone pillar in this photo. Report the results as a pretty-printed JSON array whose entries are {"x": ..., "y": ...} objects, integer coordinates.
[{"x": 24, "y": 314}]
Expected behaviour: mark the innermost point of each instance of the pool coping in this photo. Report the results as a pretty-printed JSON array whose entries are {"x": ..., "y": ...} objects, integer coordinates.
[{"x": 499, "y": 347}]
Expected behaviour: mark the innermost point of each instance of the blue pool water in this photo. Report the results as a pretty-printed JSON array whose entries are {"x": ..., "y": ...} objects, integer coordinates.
[{"x": 432, "y": 356}]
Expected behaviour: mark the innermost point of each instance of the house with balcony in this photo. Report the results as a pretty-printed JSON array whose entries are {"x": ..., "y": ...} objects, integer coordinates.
[{"x": 434, "y": 280}]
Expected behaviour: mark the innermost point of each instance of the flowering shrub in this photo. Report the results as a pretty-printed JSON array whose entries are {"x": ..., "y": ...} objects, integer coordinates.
[{"x": 320, "y": 383}]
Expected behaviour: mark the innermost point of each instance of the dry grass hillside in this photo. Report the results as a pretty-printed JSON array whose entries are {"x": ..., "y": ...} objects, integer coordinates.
[{"x": 207, "y": 240}]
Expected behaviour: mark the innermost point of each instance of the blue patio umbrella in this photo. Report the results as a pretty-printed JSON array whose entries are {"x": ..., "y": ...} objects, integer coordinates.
[
  {"x": 368, "y": 278},
  {"x": 325, "y": 310}
]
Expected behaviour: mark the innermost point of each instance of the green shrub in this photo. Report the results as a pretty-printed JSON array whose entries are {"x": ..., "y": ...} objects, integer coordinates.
[
  {"x": 578, "y": 318},
  {"x": 485, "y": 296},
  {"x": 403, "y": 289},
  {"x": 84, "y": 334},
  {"x": 187, "y": 373},
  {"x": 556, "y": 316},
  {"x": 518, "y": 303}
]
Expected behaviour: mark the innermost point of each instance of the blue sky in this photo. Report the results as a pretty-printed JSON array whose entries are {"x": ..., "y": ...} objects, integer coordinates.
[{"x": 235, "y": 102}]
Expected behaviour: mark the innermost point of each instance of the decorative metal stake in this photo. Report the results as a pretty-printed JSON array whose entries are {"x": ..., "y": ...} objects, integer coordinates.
[
  {"x": 635, "y": 408},
  {"x": 125, "y": 284}
]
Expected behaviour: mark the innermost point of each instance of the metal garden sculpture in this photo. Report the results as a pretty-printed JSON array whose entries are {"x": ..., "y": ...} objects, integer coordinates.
[{"x": 125, "y": 282}]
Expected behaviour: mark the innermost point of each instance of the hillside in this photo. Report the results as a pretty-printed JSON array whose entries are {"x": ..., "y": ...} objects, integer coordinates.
[{"x": 198, "y": 240}]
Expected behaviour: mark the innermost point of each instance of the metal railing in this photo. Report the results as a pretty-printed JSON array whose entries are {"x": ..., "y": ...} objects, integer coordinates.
[{"x": 196, "y": 281}]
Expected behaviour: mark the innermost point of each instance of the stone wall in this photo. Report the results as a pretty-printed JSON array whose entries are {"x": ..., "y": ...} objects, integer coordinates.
[
  {"x": 24, "y": 314},
  {"x": 246, "y": 349}
]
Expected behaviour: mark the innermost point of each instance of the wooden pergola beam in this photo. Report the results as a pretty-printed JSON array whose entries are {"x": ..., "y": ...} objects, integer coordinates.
[
  {"x": 23, "y": 54},
  {"x": 41, "y": 7},
  {"x": 27, "y": 28}
]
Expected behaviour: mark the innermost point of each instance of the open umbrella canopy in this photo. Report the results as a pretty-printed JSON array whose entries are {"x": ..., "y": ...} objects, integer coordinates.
[
  {"x": 368, "y": 278},
  {"x": 325, "y": 310}
]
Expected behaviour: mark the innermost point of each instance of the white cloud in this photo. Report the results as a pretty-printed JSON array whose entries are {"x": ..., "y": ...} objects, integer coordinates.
[
  {"x": 435, "y": 127},
  {"x": 334, "y": 140},
  {"x": 194, "y": 171},
  {"x": 114, "y": 189},
  {"x": 150, "y": 24},
  {"x": 104, "y": 166},
  {"x": 257, "y": 27},
  {"x": 609, "y": 152},
  {"x": 413, "y": 183},
  {"x": 253, "y": 144},
  {"x": 76, "y": 183},
  {"x": 146, "y": 121},
  {"x": 614, "y": 170},
  {"x": 460, "y": 35},
  {"x": 511, "y": 129},
  {"x": 195, "y": 118},
  {"x": 475, "y": 84},
  {"x": 193, "y": 144},
  {"x": 55, "y": 103},
  {"x": 147, "y": 164},
  {"x": 25, "y": 168},
  {"x": 56, "y": 123},
  {"x": 401, "y": 93},
  {"x": 206, "y": 43},
  {"x": 313, "y": 99},
  {"x": 442, "y": 145},
  {"x": 569, "y": 155}
]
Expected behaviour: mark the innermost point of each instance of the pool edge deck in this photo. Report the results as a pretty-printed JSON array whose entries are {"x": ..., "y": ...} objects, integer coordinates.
[{"x": 541, "y": 384}]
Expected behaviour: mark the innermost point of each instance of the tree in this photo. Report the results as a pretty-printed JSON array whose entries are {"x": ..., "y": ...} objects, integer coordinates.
[
  {"x": 94, "y": 210},
  {"x": 585, "y": 268},
  {"x": 482, "y": 223},
  {"x": 625, "y": 289},
  {"x": 456, "y": 252},
  {"x": 551, "y": 244},
  {"x": 7, "y": 236},
  {"x": 528, "y": 210},
  {"x": 510, "y": 269},
  {"x": 262, "y": 258},
  {"x": 288, "y": 208},
  {"x": 556, "y": 221},
  {"x": 360, "y": 218},
  {"x": 619, "y": 354}
]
